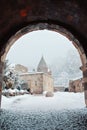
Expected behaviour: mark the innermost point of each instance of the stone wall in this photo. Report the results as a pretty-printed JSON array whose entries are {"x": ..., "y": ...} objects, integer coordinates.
[
  {"x": 38, "y": 82},
  {"x": 20, "y": 68},
  {"x": 1, "y": 77},
  {"x": 48, "y": 83},
  {"x": 76, "y": 86},
  {"x": 59, "y": 88}
]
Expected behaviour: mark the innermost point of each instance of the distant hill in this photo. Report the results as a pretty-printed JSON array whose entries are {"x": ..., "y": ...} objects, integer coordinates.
[{"x": 66, "y": 68}]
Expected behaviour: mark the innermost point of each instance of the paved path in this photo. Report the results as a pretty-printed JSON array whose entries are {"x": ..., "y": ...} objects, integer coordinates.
[{"x": 52, "y": 120}]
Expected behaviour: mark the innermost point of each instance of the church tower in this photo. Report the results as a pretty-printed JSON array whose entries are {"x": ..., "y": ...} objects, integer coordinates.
[{"x": 42, "y": 66}]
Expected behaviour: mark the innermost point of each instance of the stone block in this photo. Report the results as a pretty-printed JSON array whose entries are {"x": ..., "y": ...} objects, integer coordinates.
[{"x": 49, "y": 94}]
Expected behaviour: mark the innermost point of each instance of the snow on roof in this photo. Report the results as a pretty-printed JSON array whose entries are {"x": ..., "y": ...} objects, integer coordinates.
[
  {"x": 12, "y": 65},
  {"x": 31, "y": 73}
]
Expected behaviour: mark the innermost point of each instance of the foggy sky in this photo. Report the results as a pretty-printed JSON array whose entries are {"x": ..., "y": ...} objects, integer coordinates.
[{"x": 29, "y": 49}]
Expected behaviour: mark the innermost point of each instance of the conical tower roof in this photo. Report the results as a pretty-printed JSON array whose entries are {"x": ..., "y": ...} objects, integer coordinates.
[{"x": 42, "y": 66}]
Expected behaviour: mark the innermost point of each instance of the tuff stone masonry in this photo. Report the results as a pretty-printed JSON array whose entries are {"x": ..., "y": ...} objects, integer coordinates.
[
  {"x": 76, "y": 85},
  {"x": 20, "y": 68},
  {"x": 39, "y": 81}
]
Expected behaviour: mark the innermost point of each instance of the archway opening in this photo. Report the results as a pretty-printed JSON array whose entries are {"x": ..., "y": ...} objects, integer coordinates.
[{"x": 22, "y": 33}]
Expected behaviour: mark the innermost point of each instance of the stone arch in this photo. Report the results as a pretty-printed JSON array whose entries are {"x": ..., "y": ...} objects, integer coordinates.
[{"x": 51, "y": 27}]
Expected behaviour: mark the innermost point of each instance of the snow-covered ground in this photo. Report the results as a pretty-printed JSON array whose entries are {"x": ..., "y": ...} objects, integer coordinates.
[
  {"x": 64, "y": 111},
  {"x": 60, "y": 100}
]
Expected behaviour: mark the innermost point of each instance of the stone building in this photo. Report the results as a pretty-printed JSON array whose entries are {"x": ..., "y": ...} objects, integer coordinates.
[
  {"x": 59, "y": 88},
  {"x": 41, "y": 80},
  {"x": 76, "y": 86},
  {"x": 20, "y": 68},
  {"x": 42, "y": 67}
]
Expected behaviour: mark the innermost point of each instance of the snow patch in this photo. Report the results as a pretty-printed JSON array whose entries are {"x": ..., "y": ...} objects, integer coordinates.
[{"x": 60, "y": 100}]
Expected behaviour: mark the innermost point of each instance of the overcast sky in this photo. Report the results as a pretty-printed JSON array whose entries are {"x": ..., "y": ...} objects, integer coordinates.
[{"x": 29, "y": 49}]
